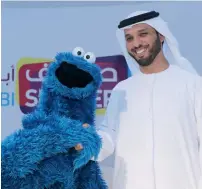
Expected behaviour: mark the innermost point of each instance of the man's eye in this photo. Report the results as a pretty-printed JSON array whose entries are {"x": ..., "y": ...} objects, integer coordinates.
[
  {"x": 143, "y": 34},
  {"x": 129, "y": 38}
]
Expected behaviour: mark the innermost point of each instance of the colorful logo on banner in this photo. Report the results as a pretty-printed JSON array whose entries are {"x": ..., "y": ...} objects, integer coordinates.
[{"x": 30, "y": 73}]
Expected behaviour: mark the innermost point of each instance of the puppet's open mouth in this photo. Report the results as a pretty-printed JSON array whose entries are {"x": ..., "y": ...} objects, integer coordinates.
[{"x": 71, "y": 76}]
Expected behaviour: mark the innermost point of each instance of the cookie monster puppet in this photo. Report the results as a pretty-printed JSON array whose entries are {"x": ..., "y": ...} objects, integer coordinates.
[{"x": 42, "y": 155}]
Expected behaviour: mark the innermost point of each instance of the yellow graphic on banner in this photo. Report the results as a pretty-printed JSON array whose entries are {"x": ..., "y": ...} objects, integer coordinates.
[{"x": 24, "y": 61}]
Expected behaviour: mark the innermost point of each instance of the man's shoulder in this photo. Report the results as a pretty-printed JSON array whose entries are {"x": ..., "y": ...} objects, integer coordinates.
[
  {"x": 189, "y": 79},
  {"x": 180, "y": 72}
]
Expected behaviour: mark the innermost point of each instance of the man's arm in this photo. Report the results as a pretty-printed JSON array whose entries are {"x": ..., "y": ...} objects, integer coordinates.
[
  {"x": 108, "y": 130},
  {"x": 198, "y": 113}
]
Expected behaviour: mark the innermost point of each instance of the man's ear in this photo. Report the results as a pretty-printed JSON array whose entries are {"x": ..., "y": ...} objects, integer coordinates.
[{"x": 162, "y": 38}]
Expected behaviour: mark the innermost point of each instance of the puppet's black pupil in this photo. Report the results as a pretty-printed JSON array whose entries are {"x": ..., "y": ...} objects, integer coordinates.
[
  {"x": 79, "y": 52},
  {"x": 87, "y": 56}
]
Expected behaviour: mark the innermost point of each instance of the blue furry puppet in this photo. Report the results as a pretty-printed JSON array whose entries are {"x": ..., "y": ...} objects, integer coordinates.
[{"x": 42, "y": 155}]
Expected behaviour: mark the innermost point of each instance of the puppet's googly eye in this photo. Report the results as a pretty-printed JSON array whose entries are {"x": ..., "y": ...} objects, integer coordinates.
[
  {"x": 78, "y": 51},
  {"x": 90, "y": 57}
]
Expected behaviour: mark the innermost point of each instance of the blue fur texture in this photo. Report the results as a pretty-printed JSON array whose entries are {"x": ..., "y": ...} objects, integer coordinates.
[{"x": 41, "y": 155}]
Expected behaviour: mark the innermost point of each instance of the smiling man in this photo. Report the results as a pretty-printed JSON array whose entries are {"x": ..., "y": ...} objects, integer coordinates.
[
  {"x": 157, "y": 134},
  {"x": 143, "y": 44}
]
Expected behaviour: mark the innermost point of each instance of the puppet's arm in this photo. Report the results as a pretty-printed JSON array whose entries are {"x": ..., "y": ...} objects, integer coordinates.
[
  {"x": 33, "y": 181},
  {"x": 23, "y": 150}
]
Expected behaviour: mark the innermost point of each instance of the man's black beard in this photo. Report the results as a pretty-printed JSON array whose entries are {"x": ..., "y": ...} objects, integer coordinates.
[{"x": 152, "y": 54}]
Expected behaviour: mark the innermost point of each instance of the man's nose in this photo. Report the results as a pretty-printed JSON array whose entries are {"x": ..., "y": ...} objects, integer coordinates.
[{"x": 137, "y": 42}]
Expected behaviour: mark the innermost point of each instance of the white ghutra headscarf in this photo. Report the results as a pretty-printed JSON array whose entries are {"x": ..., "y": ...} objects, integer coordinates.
[{"x": 170, "y": 46}]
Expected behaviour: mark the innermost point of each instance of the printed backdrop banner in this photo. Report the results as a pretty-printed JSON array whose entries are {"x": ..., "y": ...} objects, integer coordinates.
[{"x": 30, "y": 73}]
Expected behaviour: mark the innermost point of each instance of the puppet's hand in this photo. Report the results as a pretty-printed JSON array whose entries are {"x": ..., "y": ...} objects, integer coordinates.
[
  {"x": 89, "y": 147},
  {"x": 79, "y": 146}
]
